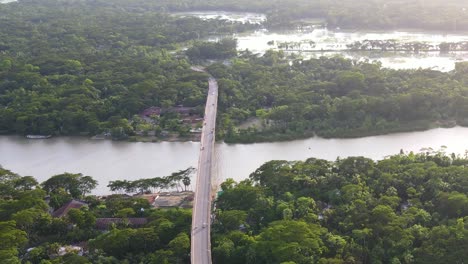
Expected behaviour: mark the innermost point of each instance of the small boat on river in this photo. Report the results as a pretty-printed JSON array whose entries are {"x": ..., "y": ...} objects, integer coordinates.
[{"x": 38, "y": 136}]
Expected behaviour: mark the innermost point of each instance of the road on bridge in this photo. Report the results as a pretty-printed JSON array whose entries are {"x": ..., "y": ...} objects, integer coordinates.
[{"x": 201, "y": 214}]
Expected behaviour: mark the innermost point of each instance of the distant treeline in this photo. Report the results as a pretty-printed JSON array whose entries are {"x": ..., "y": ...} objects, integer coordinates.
[
  {"x": 379, "y": 14},
  {"x": 416, "y": 46},
  {"x": 378, "y": 45},
  {"x": 175, "y": 180}
]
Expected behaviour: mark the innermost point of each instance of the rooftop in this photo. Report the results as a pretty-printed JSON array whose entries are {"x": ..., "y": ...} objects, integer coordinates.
[
  {"x": 169, "y": 200},
  {"x": 155, "y": 110},
  {"x": 62, "y": 211},
  {"x": 105, "y": 223}
]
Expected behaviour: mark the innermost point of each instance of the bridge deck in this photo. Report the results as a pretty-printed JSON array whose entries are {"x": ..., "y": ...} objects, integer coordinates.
[{"x": 201, "y": 218}]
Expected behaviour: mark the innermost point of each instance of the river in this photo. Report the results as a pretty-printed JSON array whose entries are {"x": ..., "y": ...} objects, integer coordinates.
[{"x": 109, "y": 160}]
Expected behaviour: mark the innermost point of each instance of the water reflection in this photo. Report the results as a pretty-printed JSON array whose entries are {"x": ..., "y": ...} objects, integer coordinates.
[{"x": 242, "y": 17}]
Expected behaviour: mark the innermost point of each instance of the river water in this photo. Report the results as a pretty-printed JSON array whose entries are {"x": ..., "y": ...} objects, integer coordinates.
[{"x": 109, "y": 160}]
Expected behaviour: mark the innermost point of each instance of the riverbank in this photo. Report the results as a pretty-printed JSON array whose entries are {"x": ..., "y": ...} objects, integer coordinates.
[
  {"x": 288, "y": 135},
  {"x": 193, "y": 138}
]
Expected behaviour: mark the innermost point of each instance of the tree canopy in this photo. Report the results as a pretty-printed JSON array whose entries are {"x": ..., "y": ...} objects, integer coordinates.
[
  {"x": 86, "y": 67},
  {"x": 407, "y": 208},
  {"x": 332, "y": 97}
]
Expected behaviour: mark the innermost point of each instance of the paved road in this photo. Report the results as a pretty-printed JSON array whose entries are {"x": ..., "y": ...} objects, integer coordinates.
[{"x": 201, "y": 218}]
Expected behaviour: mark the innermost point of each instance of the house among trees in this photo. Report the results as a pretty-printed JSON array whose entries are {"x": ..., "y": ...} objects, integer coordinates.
[
  {"x": 132, "y": 222},
  {"x": 154, "y": 110},
  {"x": 170, "y": 200},
  {"x": 192, "y": 119},
  {"x": 63, "y": 211},
  {"x": 180, "y": 109}
]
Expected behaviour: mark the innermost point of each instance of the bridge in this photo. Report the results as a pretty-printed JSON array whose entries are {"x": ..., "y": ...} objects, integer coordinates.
[{"x": 201, "y": 215}]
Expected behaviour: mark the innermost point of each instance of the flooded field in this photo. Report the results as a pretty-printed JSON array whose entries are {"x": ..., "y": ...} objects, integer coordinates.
[{"x": 314, "y": 41}]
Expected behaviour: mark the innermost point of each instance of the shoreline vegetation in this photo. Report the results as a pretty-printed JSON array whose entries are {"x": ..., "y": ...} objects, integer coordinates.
[
  {"x": 389, "y": 45},
  {"x": 281, "y": 137},
  {"x": 347, "y": 134}
]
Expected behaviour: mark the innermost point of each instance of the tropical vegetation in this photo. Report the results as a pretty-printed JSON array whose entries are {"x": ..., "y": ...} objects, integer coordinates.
[
  {"x": 31, "y": 234},
  {"x": 84, "y": 67},
  {"x": 333, "y": 97},
  {"x": 406, "y": 208}
]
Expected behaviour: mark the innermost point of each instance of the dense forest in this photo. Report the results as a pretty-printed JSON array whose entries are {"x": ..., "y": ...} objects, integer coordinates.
[
  {"x": 82, "y": 67},
  {"x": 32, "y": 232},
  {"x": 407, "y": 208},
  {"x": 333, "y": 97}
]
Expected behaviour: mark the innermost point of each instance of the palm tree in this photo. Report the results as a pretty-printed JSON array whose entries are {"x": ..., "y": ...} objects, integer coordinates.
[{"x": 186, "y": 182}]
